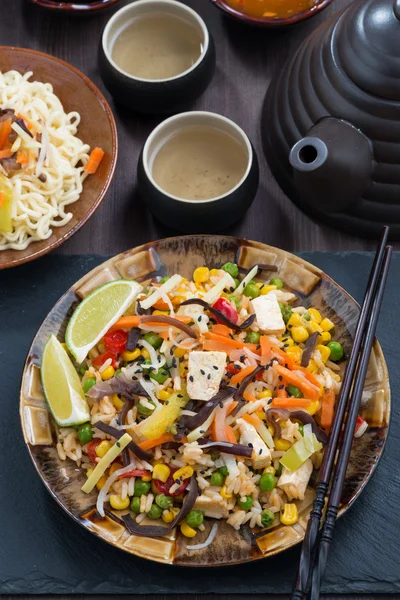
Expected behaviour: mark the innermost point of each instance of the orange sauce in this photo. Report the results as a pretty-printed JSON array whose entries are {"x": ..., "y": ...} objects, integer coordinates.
[{"x": 279, "y": 9}]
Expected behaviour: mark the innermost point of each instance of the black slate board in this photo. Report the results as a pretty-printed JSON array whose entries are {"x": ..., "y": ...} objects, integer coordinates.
[{"x": 42, "y": 551}]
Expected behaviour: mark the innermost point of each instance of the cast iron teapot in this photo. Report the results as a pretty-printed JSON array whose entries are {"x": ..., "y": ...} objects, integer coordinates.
[{"x": 331, "y": 120}]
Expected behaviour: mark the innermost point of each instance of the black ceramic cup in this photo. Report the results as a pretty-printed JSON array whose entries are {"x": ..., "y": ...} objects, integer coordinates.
[
  {"x": 156, "y": 96},
  {"x": 195, "y": 216}
]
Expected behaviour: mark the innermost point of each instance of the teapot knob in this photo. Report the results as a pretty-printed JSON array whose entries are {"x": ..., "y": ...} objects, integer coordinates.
[{"x": 397, "y": 8}]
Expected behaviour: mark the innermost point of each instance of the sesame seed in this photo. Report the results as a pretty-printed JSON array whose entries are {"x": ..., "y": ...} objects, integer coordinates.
[
  {"x": 209, "y": 376},
  {"x": 269, "y": 401},
  {"x": 146, "y": 377},
  {"x": 258, "y": 346},
  {"x": 285, "y": 345},
  {"x": 260, "y": 451},
  {"x": 134, "y": 378},
  {"x": 231, "y": 289},
  {"x": 250, "y": 445},
  {"x": 221, "y": 404},
  {"x": 180, "y": 396},
  {"x": 199, "y": 318},
  {"x": 236, "y": 367},
  {"x": 171, "y": 352},
  {"x": 215, "y": 367},
  {"x": 118, "y": 444},
  {"x": 191, "y": 378},
  {"x": 280, "y": 377},
  {"x": 280, "y": 387},
  {"x": 202, "y": 372},
  {"x": 242, "y": 358},
  {"x": 286, "y": 366},
  {"x": 231, "y": 336},
  {"x": 166, "y": 402},
  {"x": 202, "y": 431}
]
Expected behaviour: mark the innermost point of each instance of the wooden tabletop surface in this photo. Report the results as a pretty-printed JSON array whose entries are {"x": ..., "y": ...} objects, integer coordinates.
[{"x": 247, "y": 59}]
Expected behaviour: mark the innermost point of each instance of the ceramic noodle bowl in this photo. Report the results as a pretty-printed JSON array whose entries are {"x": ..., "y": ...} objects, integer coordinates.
[
  {"x": 183, "y": 255},
  {"x": 331, "y": 120}
]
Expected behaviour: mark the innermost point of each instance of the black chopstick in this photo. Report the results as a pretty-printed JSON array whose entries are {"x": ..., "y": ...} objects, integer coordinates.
[
  {"x": 311, "y": 535},
  {"x": 348, "y": 434}
]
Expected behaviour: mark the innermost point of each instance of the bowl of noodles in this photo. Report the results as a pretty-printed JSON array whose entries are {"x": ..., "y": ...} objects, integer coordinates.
[{"x": 58, "y": 151}]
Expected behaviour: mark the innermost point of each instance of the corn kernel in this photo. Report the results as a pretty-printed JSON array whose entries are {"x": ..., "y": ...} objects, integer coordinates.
[
  {"x": 266, "y": 289},
  {"x": 89, "y": 472},
  {"x": 271, "y": 429},
  {"x": 299, "y": 334},
  {"x": 201, "y": 275},
  {"x": 128, "y": 356},
  {"x": 117, "y": 402},
  {"x": 103, "y": 448},
  {"x": 169, "y": 516},
  {"x": 265, "y": 394},
  {"x": 289, "y": 514},
  {"x": 114, "y": 467},
  {"x": 313, "y": 408},
  {"x": 327, "y": 324},
  {"x": 295, "y": 352},
  {"x": 107, "y": 373},
  {"x": 261, "y": 415},
  {"x": 161, "y": 313},
  {"x": 270, "y": 470},
  {"x": 145, "y": 354},
  {"x": 146, "y": 477},
  {"x": 117, "y": 503},
  {"x": 164, "y": 395},
  {"x": 176, "y": 300},
  {"x": 294, "y": 321},
  {"x": 281, "y": 444},
  {"x": 324, "y": 338},
  {"x": 187, "y": 531},
  {"x": 287, "y": 342},
  {"x": 312, "y": 327},
  {"x": 315, "y": 315},
  {"x": 312, "y": 366},
  {"x": 183, "y": 473},
  {"x": 324, "y": 351},
  {"x": 200, "y": 287},
  {"x": 214, "y": 272},
  {"x": 179, "y": 352},
  {"x": 224, "y": 493},
  {"x": 161, "y": 472},
  {"x": 101, "y": 482},
  {"x": 336, "y": 377},
  {"x": 183, "y": 368}
]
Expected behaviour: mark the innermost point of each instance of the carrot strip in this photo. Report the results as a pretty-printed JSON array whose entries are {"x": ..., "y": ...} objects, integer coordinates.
[
  {"x": 126, "y": 322},
  {"x": 5, "y": 130},
  {"x": 230, "y": 436},
  {"x": 290, "y": 402},
  {"x": 218, "y": 429},
  {"x": 220, "y": 329},
  {"x": 28, "y": 123},
  {"x": 309, "y": 390},
  {"x": 5, "y": 153},
  {"x": 287, "y": 361},
  {"x": 161, "y": 305},
  {"x": 249, "y": 397},
  {"x": 252, "y": 419},
  {"x": 231, "y": 407},
  {"x": 265, "y": 350},
  {"x": 327, "y": 410},
  {"x": 240, "y": 375},
  {"x": 22, "y": 158},
  {"x": 226, "y": 344},
  {"x": 163, "y": 439},
  {"x": 281, "y": 392},
  {"x": 95, "y": 158}
]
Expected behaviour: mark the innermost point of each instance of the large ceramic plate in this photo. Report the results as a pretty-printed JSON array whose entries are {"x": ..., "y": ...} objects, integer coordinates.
[
  {"x": 97, "y": 128},
  {"x": 183, "y": 255}
]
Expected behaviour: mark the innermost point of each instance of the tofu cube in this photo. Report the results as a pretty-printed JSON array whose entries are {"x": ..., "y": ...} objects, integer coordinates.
[
  {"x": 294, "y": 483},
  {"x": 205, "y": 373},
  {"x": 210, "y": 508},
  {"x": 261, "y": 456},
  {"x": 268, "y": 314}
]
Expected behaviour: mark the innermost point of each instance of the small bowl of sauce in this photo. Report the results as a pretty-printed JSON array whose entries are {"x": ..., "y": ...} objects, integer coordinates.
[
  {"x": 198, "y": 172},
  {"x": 271, "y": 13},
  {"x": 77, "y": 7},
  {"x": 156, "y": 56}
]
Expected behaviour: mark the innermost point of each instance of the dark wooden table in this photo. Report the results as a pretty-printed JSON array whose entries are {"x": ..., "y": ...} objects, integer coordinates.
[{"x": 247, "y": 59}]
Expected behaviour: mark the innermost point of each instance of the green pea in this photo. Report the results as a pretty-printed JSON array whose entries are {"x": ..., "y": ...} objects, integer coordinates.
[
  {"x": 224, "y": 471},
  {"x": 251, "y": 290},
  {"x": 160, "y": 376},
  {"x": 294, "y": 391},
  {"x": 85, "y": 433},
  {"x": 164, "y": 501},
  {"x": 245, "y": 504},
  {"x": 141, "y": 487},
  {"x": 286, "y": 311},
  {"x": 253, "y": 337},
  {"x": 237, "y": 282},
  {"x": 278, "y": 282},
  {"x": 83, "y": 369},
  {"x": 217, "y": 479},
  {"x": 236, "y": 301},
  {"x": 143, "y": 410},
  {"x": 301, "y": 428},
  {"x": 307, "y": 317},
  {"x": 267, "y": 518},
  {"x": 155, "y": 512},
  {"x": 267, "y": 482},
  {"x": 194, "y": 518},
  {"x": 231, "y": 268},
  {"x": 214, "y": 456},
  {"x": 88, "y": 383},
  {"x": 135, "y": 505},
  {"x": 279, "y": 470},
  {"x": 336, "y": 351},
  {"x": 164, "y": 279},
  {"x": 153, "y": 339}
]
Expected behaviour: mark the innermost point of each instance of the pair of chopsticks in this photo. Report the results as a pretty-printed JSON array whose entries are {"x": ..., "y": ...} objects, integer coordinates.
[{"x": 316, "y": 543}]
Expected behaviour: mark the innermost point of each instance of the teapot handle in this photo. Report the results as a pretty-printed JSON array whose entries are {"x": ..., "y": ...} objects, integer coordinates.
[{"x": 332, "y": 165}]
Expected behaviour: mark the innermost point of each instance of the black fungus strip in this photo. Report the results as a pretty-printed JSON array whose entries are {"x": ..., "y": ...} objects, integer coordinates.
[
  {"x": 141, "y": 311},
  {"x": 152, "y": 531},
  {"x": 21, "y": 123},
  {"x": 219, "y": 315},
  {"x": 309, "y": 348},
  {"x": 206, "y": 410},
  {"x": 239, "y": 392},
  {"x": 228, "y": 448},
  {"x": 272, "y": 415},
  {"x": 117, "y": 434},
  {"x": 119, "y": 384},
  {"x": 133, "y": 338},
  {"x": 172, "y": 322},
  {"x": 307, "y": 419}
]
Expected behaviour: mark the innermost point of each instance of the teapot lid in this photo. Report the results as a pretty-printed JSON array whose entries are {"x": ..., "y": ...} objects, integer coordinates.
[{"x": 368, "y": 46}]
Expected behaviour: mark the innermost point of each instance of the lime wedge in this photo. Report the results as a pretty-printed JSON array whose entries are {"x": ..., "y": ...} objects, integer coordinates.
[
  {"x": 62, "y": 386},
  {"x": 95, "y": 315}
]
